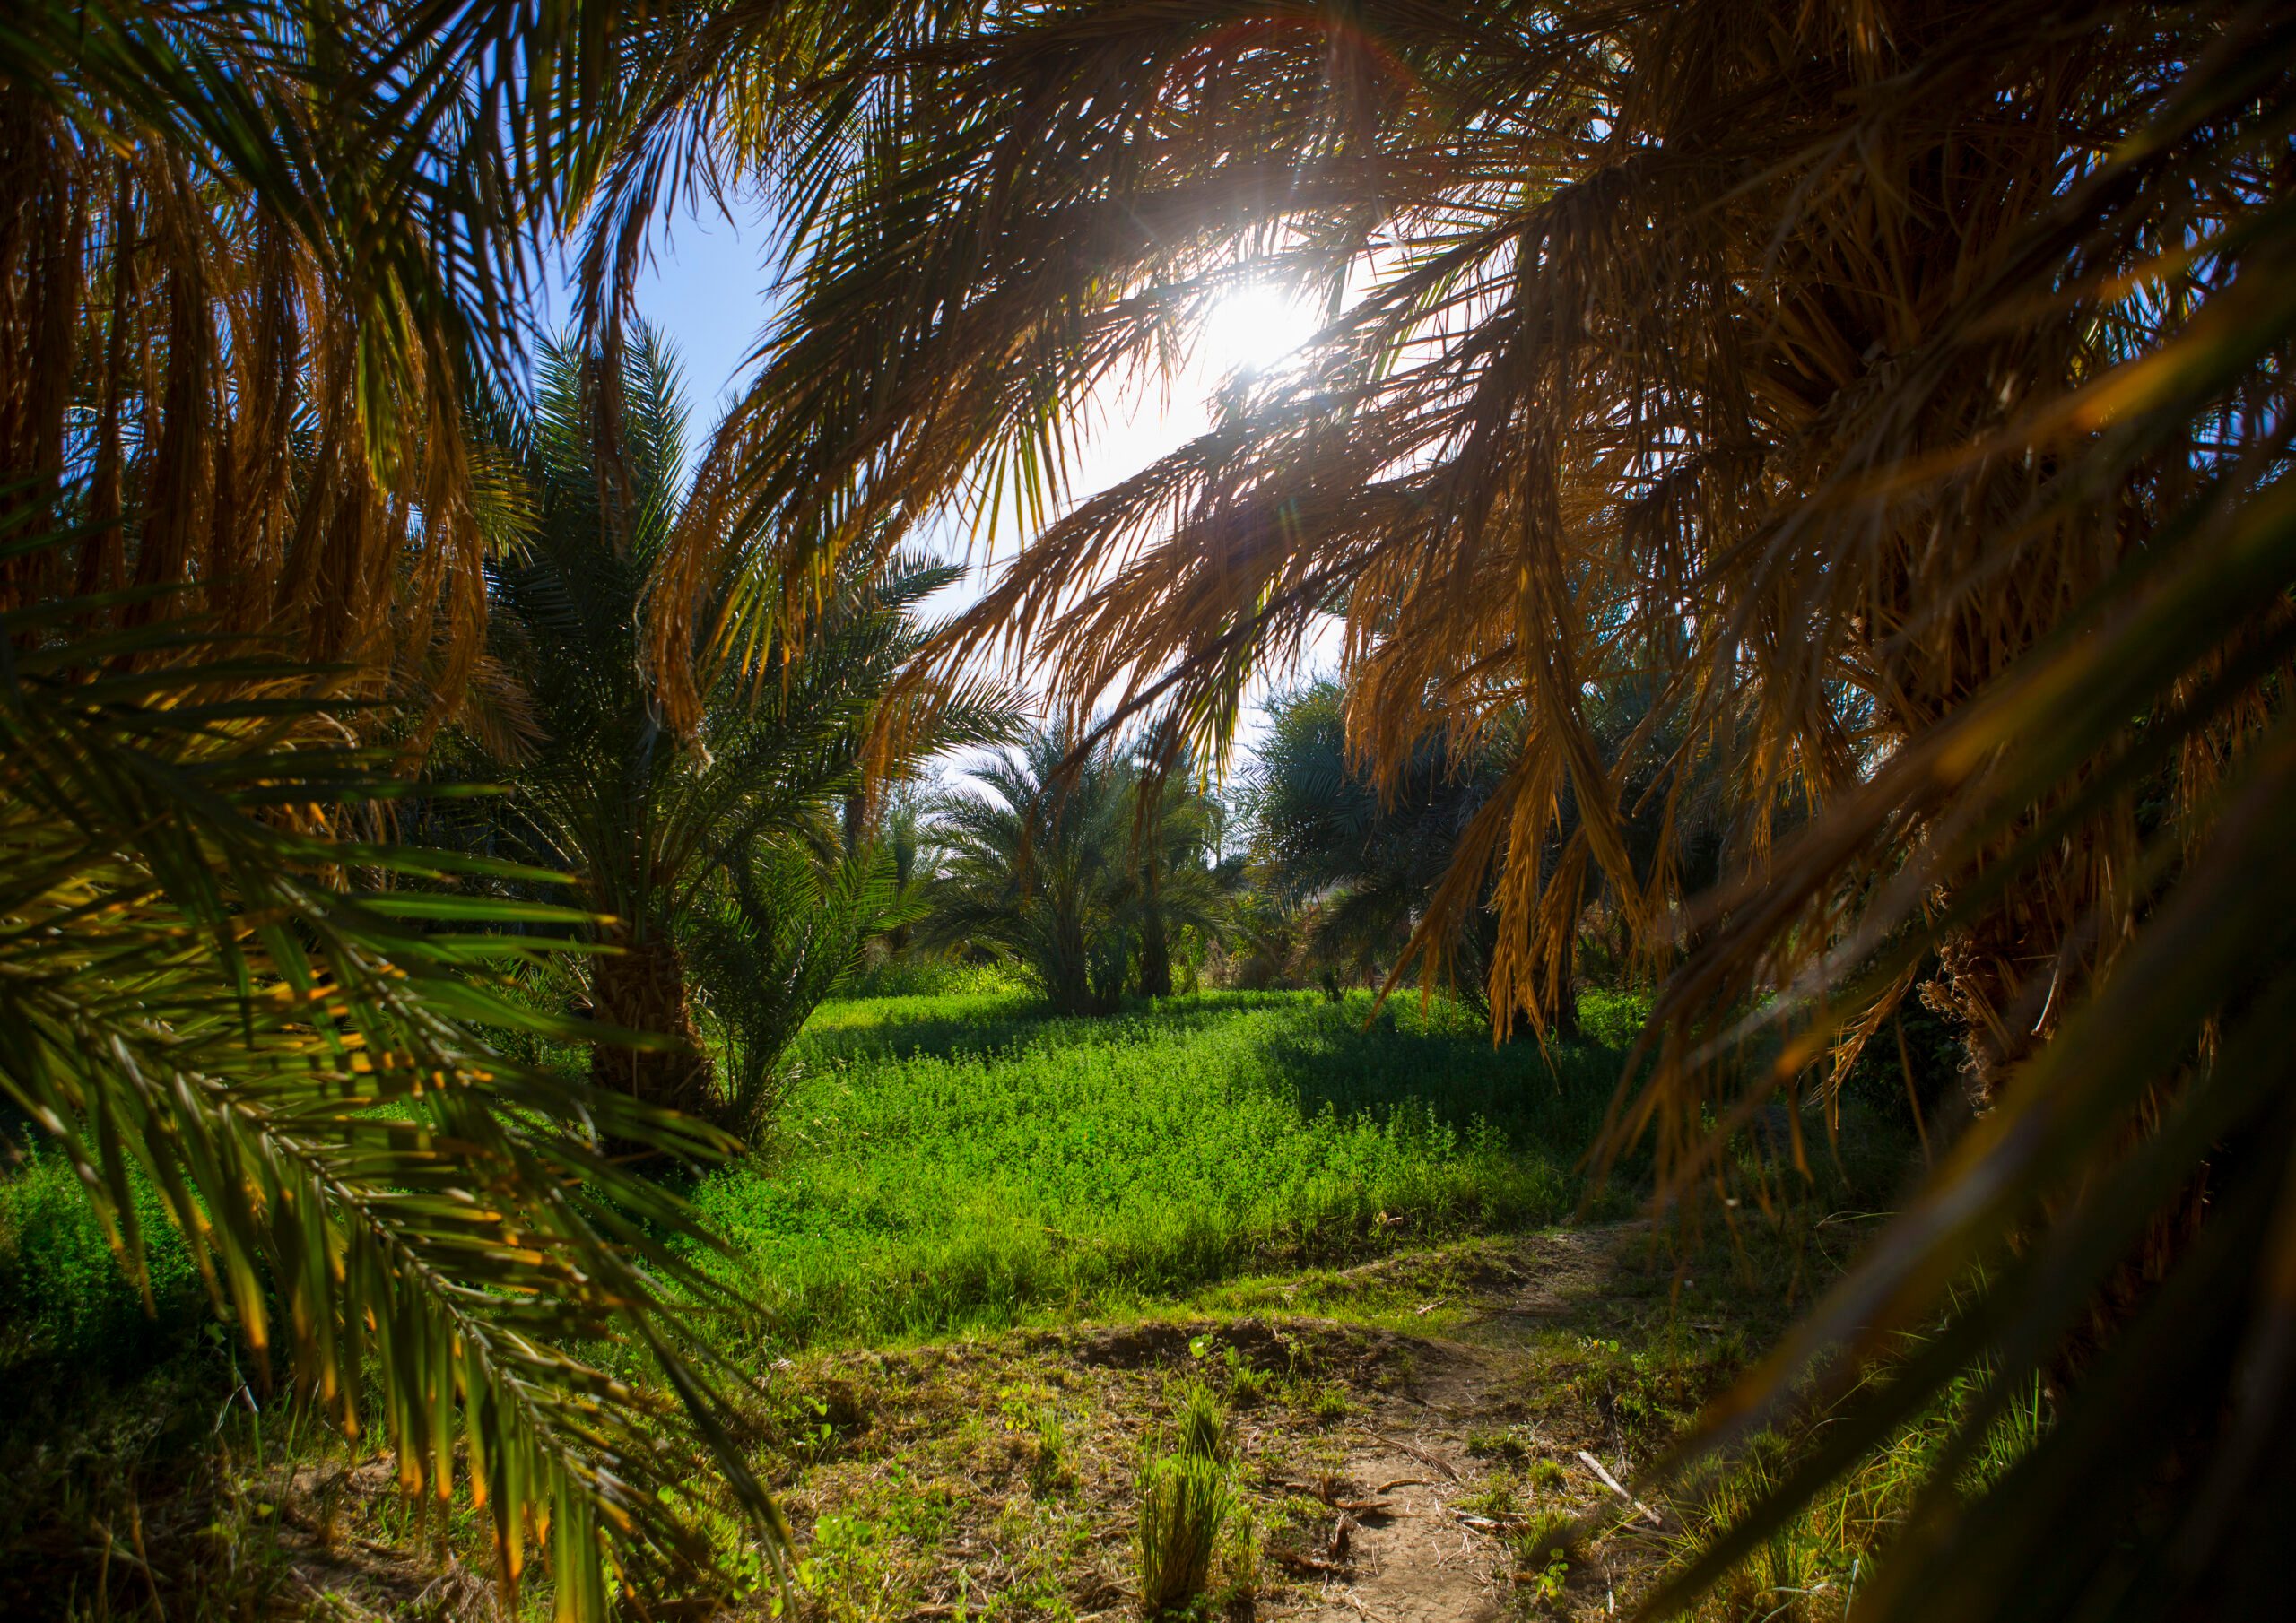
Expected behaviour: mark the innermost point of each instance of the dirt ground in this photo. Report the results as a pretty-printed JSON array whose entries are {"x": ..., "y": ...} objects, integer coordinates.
[
  {"x": 1402, "y": 1432},
  {"x": 1401, "y": 1436}
]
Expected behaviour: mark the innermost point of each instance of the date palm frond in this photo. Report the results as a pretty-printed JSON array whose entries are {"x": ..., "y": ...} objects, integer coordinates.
[
  {"x": 212, "y": 979},
  {"x": 1895, "y": 393}
]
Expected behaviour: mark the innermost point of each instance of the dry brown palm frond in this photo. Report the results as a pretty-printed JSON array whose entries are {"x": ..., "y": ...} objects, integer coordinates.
[
  {"x": 181, "y": 380},
  {"x": 1648, "y": 379},
  {"x": 256, "y": 262},
  {"x": 1904, "y": 387}
]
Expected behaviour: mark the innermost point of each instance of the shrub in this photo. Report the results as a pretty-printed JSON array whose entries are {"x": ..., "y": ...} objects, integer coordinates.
[{"x": 935, "y": 977}]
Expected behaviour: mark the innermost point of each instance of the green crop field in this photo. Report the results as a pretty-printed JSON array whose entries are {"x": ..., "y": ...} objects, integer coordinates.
[{"x": 961, "y": 1161}]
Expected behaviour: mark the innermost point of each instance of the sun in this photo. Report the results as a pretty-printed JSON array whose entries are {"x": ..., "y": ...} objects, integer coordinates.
[{"x": 1255, "y": 329}]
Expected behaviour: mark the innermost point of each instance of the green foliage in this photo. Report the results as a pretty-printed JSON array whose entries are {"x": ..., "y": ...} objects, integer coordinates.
[
  {"x": 946, "y": 1163},
  {"x": 1612, "y": 1017},
  {"x": 1360, "y": 859},
  {"x": 1370, "y": 855},
  {"x": 219, "y": 1004},
  {"x": 932, "y": 977},
  {"x": 1087, "y": 874},
  {"x": 1185, "y": 1502},
  {"x": 780, "y": 932},
  {"x": 67, "y": 1310}
]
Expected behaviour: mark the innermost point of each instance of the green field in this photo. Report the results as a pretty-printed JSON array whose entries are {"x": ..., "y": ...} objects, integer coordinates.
[{"x": 959, "y": 1162}]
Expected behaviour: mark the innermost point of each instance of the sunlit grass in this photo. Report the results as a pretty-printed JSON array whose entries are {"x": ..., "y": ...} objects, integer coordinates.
[{"x": 961, "y": 1162}]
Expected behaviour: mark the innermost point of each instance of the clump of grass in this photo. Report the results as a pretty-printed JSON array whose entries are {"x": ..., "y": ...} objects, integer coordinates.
[
  {"x": 1548, "y": 1475},
  {"x": 1185, "y": 1501},
  {"x": 1543, "y": 1553},
  {"x": 1493, "y": 1496},
  {"x": 1242, "y": 1556},
  {"x": 1503, "y": 1444},
  {"x": 1248, "y": 1382},
  {"x": 1202, "y": 1427}
]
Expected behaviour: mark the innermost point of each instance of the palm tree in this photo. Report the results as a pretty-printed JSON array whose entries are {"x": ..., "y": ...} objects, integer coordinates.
[
  {"x": 1178, "y": 892},
  {"x": 213, "y": 982},
  {"x": 1076, "y": 867},
  {"x": 254, "y": 259},
  {"x": 731, "y": 834},
  {"x": 1901, "y": 388},
  {"x": 1322, "y": 831}
]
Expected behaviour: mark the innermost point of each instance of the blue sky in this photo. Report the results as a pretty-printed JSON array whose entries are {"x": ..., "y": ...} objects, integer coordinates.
[{"x": 707, "y": 290}]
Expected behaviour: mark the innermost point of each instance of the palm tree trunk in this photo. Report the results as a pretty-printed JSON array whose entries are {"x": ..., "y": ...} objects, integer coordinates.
[
  {"x": 1156, "y": 956},
  {"x": 642, "y": 988},
  {"x": 1067, "y": 977}
]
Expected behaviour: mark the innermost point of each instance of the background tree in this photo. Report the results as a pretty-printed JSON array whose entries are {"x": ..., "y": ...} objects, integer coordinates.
[
  {"x": 716, "y": 838},
  {"x": 1323, "y": 831},
  {"x": 1372, "y": 858},
  {"x": 1179, "y": 895},
  {"x": 1076, "y": 868}
]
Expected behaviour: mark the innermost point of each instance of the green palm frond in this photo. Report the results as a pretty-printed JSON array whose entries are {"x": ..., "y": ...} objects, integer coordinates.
[
  {"x": 776, "y": 935},
  {"x": 209, "y": 982}
]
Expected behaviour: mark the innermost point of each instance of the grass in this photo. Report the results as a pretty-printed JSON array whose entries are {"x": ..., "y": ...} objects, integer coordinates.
[
  {"x": 1808, "y": 1570},
  {"x": 963, "y": 1162},
  {"x": 1184, "y": 1506},
  {"x": 1276, "y": 1196},
  {"x": 67, "y": 1310}
]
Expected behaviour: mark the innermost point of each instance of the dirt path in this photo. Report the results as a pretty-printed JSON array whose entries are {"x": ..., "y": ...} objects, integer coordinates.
[
  {"x": 1414, "y": 1561},
  {"x": 1435, "y": 1550}
]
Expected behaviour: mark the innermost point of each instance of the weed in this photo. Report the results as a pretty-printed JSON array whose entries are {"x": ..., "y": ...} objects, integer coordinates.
[
  {"x": 848, "y": 1573},
  {"x": 1034, "y": 1429},
  {"x": 1543, "y": 1549},
  {"x": 1184, "y": 1503},
  {"x": 1493, "y": 1496},
  {"x": 1507, "y": 1445},
  {"x": 1242, "y": 1556},
  {"x": 1248, "y": 1382}
]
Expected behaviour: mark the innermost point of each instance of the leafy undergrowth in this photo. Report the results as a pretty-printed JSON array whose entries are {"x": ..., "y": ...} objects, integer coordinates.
[{"x": 963, "y": 1162}]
